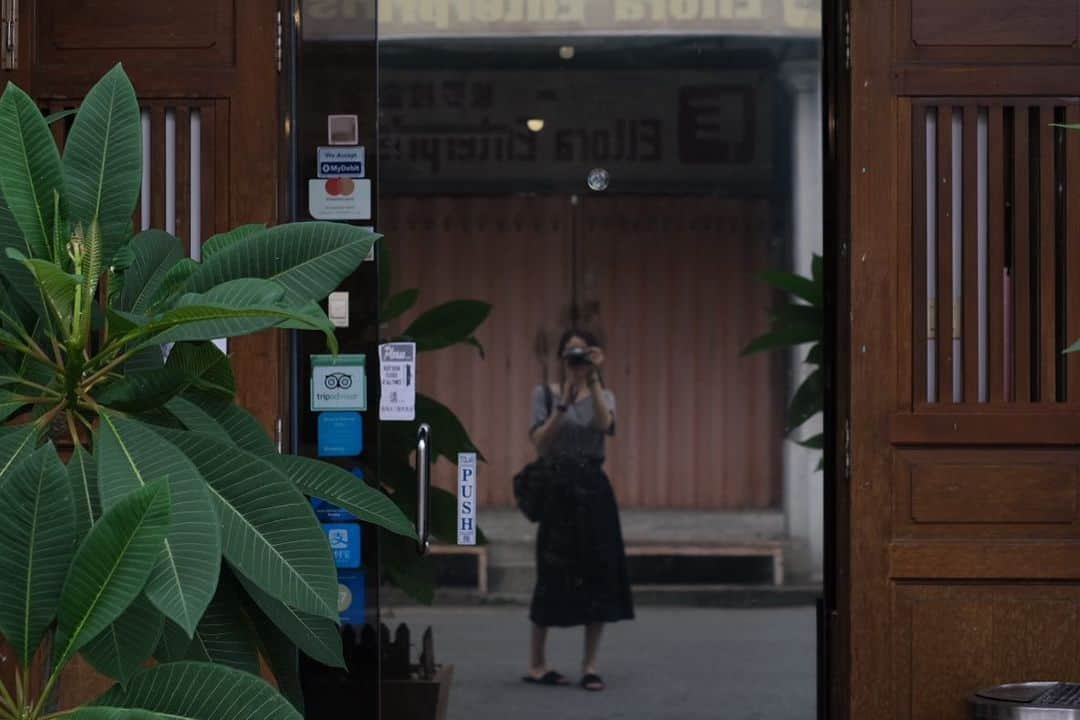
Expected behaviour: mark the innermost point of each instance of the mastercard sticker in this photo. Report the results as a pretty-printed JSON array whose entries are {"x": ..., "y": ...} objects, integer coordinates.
[{"x": 339, "y": 198}]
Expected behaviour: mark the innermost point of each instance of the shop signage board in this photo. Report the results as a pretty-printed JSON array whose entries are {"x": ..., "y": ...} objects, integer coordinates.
[
  {"x": 445, "y": 130},
  {"x": 406, "y": 19}
]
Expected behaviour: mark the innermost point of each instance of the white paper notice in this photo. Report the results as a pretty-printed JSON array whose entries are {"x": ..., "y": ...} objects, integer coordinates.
[
  {"x": 397, "y": 372},
  {"x": 466, "y": 493}
]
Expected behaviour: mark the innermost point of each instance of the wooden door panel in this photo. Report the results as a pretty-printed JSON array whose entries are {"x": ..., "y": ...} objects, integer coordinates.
[
  {"x": 965, "y": 414},
  {"x": 193, "y": 33},
  {"x": 944, "y": 637},
  {"x": 991, "y": 23}
]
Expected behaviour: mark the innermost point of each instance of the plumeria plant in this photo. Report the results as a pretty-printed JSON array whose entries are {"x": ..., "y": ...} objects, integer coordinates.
[{"x": 147, "y": 523}]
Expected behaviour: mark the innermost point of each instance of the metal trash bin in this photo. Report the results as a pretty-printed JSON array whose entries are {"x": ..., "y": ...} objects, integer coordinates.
[{"x": 1027, "y": 701}]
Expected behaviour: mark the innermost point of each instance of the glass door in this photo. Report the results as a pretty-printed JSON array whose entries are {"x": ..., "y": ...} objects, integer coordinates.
[{"x": 600, "y": 342}]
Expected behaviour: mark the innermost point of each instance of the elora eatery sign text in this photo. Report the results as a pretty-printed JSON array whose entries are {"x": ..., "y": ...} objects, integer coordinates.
[{"x": 328, "y": 19}]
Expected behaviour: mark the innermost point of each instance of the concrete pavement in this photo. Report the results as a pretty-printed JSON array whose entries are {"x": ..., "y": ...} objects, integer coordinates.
[{"x": 669, "y": 664}]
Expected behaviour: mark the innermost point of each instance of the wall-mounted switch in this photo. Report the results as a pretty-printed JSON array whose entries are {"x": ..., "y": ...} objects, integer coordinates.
[{"x": 338, "y": 309}]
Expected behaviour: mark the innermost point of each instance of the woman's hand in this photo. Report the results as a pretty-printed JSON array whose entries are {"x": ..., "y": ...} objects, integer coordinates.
[{"x": 596, "y": 355}]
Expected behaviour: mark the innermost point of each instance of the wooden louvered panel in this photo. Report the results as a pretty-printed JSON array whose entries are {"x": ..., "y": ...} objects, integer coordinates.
[{"x": 994, "y": 301}]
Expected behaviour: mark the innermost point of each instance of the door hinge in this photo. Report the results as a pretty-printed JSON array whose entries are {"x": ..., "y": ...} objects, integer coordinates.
[
  {"x": 847, "y": 39},
  {"x": 279, "y": 436},
  {"x": 279, "y": 43},
  {"x": 847, "y": 449},
  {"x": 9, "y": 42}
]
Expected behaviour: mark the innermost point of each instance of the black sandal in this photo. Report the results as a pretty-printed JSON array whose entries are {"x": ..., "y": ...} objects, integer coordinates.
[
  {"x": 549, "y": 678},
  {"x": 593, "y": 683}
]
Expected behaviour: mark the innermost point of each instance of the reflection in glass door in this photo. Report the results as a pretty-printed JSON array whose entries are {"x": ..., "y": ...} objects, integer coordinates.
[{"x": 578, "y": 215}]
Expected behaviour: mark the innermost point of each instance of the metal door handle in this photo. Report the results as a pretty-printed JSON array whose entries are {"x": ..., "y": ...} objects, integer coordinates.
[{"x": 423, "y": 488}]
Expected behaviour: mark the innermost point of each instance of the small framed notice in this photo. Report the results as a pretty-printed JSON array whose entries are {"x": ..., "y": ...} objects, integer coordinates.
[{"x": 397, "y": 373}]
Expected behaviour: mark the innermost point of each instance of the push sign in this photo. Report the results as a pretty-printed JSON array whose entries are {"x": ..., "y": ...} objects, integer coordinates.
[
  {"x": 338, "y": 382},
  {"x": 466, "y": 533}
]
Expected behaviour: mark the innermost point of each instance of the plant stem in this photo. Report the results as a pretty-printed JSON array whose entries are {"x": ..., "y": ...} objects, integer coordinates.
[
  {"x": 7, "y": 704},
  {"x": 73, "y": 429},
  {"x": 100, "y": 374},
  {"x": 21, "y": 381},
  {"x": 53, "y": 677},
  {"x": 48, "y": 417}
]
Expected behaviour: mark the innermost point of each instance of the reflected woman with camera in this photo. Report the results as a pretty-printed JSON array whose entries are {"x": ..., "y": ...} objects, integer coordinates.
[{"x": 581, "y": 562}]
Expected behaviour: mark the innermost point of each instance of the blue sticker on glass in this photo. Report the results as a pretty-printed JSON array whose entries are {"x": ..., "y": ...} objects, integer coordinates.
[
  {"x": 344, "y": 543},
  {"x": 341, "y": 434},
  {"x": 352, "y": 599},
  {"x": 329, "y": 513}
]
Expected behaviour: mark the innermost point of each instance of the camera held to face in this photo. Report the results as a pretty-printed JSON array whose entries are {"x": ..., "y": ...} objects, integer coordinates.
[{"x": 577, "y": 357}]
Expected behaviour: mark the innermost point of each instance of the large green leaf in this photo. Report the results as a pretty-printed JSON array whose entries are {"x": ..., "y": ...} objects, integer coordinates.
[
  {"x": 82, "y": 473},
  {"x": 207, "y": 367},
  {"x": 121, "y": 649},
  {"x": 237, "y": 307},
  {"x": 309, "y": 259},
  {"x": 155, "y": 254},
  {"x": 132, "y": 455},
  {"x": 808, "y": 401},
  {"x": 797, "y": 285},
  {"x": 219, "y": 242},
  {"x": 174, "y": 643},
  {"x": 30, "y": 171},
  {"x": 37, "y": 541},
  {"x": 59, "y": 287},
  {"x": 10, "y": 403},
  {"x": 318, "y": 637},
  {"x": 282, "y": 655},
  {"x": 109, "y": 713},
  {"x": 398, "y": 305},
  {"x": 784, "y": 337},
  {"x": 111, "y": 567},
  {"x": 223, "y": 635},
  {"x": 447, "y": 324},
  {"x": 195, "y": 418},
  {"x": 16, "y": 443},
  {"x": 103, "y": 159},
  {"x": 269, "y": 531},
  {"x": 342, "y": 488},
  {"x": 137, "y": 391},
  {"x": 201, "y": 691},
  {"x": 240, "y": 426},
  {"x": 217, "y": 417},
  {"x": 173, "y": 284}
]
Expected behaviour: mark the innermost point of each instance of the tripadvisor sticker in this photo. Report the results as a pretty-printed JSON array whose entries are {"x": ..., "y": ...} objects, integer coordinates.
[{"x": 338, "y": 382}]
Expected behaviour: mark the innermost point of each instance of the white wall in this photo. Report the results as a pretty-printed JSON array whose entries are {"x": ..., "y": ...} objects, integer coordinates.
[{"x": 803, "y": 489}]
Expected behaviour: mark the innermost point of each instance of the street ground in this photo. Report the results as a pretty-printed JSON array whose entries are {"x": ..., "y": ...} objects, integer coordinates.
[{"x": 669, "y": 664}]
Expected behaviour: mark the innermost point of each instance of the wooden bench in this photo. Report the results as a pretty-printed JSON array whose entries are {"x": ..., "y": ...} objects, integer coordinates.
[
  {"x": 477, "y": 551},
  {"x": 764, "y": 548}
]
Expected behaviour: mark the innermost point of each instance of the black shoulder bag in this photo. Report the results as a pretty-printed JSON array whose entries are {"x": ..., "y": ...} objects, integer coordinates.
[{"x": 531, "y": 483}]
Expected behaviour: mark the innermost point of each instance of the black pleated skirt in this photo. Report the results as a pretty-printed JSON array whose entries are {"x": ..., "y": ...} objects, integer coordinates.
[{"x": 581, "y": 575}]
